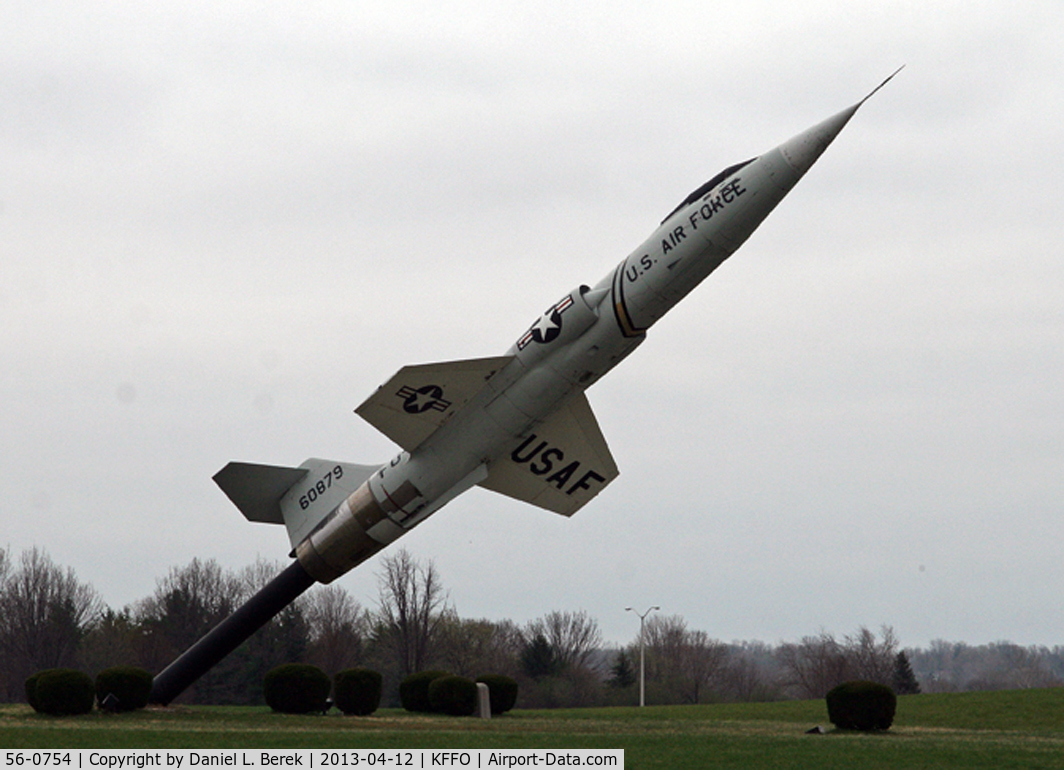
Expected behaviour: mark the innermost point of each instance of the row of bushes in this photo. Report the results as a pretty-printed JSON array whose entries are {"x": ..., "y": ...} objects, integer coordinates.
[
  {"x": 442, "y": 693},
  {"x": 294, "y": 688},
  {"x": 64, "y": 691},
  {"x": 298, "y": 688}
]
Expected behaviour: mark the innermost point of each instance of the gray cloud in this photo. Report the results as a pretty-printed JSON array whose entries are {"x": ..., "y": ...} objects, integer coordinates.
[{"x": 224, "y": 224}]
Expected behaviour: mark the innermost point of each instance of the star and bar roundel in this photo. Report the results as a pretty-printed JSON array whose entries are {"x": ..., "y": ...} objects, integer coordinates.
[
  {"x": 416, "y": 401},
  {"x": 548, "y": 327}
]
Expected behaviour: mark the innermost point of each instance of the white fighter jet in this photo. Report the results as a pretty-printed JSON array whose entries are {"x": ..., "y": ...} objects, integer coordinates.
[{"x": 518, "y": 424}]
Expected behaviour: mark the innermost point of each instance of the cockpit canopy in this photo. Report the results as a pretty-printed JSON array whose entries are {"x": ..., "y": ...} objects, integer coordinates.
[{"x": 708, "y": 187}]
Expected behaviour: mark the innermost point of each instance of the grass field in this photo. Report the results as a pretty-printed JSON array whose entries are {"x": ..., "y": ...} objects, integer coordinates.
[{"x": 1016, "y": 729}]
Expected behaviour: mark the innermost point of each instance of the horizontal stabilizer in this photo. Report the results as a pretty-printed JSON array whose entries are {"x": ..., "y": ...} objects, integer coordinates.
[
  {"x": 419, "y": 399},
  {"x": 560, "y": 464},
  {"x": 299, "y": 497},
  {"x": 257, "y": 489}
]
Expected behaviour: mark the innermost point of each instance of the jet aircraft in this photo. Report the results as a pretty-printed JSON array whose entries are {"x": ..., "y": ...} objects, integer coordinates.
[{"x": 518, "y": 424}]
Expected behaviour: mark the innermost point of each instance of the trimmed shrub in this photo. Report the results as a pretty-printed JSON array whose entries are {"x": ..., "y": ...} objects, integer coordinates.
[
  {"x": 129, "y": 684},
  {"x": 31, "y": 689},
  {"x": 296, "y": 688},
  {"x": 862, "y": 706},
  {"x": 414, "y": 690},
  {"x": 454, "y": 695},
  {"x": 357, "y": 691},
  {"x": 62, "y": 692},
  {"x": 503, "y": 692}
]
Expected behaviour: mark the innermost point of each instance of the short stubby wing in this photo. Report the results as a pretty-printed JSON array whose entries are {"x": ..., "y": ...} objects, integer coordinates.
[{"x": 559, "y": 465}]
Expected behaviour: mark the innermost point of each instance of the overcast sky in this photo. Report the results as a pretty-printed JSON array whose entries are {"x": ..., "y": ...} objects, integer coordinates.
[{"x": 224, "y": 224}]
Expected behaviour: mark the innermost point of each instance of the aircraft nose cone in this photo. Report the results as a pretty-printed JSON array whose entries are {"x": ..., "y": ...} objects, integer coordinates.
[{"x": 802, "y": 151}]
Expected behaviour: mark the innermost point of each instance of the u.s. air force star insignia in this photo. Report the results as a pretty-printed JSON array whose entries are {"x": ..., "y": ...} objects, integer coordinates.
[
  {"x": 424, "y": 398},
  {"x": 548, "y": 327}
]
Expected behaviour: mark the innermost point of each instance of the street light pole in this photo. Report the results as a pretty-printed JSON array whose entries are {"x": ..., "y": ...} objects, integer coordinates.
[{"x": 642, "y": 652}]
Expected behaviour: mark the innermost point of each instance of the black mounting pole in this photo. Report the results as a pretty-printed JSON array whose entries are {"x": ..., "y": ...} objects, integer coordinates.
[{"x": 225, "y": 637}]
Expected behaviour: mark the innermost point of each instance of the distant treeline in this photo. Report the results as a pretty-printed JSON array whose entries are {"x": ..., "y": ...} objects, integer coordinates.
[{"x": 48, "y": 619}]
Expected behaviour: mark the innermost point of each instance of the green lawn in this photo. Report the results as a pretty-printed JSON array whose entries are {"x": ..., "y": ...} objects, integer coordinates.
[{"x": 1021, "y": 729}]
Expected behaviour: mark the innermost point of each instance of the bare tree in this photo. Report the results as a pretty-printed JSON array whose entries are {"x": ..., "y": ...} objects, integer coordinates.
[
  {"x": 683, "y": 664},
  {"x": 743, "y": 680},
  {"x": 193, "y": 599},
  {"x": 818, "y": 663},
  {"x": 473, "y": 647},
  {"x": 256, "y": 575},
  {"x": 871, "y": 659},
  {"x": 286, "y": 637},
  {"x": 186, "y": 604},
  {"x": 664, "y": 637},
  {"x": 412, "y": 605},
  {"x": 703, "y": 665},
  {"x": 1026, "y": 666},
  {"x": 1003, "y": 666},
  {"x": 574, "y": 636},
  {"x": 112, "y": 640},
  {"x": 44, "y": 613},
  {"x": 337, "y": 628},
  {"x": 814, "y": 665},
  {"x": 6, "y": 674},
  {"x": 940, "y": 667},
  {"x": 752, "y": 673}
]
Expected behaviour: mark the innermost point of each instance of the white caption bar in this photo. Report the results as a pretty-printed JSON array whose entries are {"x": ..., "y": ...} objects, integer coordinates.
[{"x": 183, "y": 759}]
